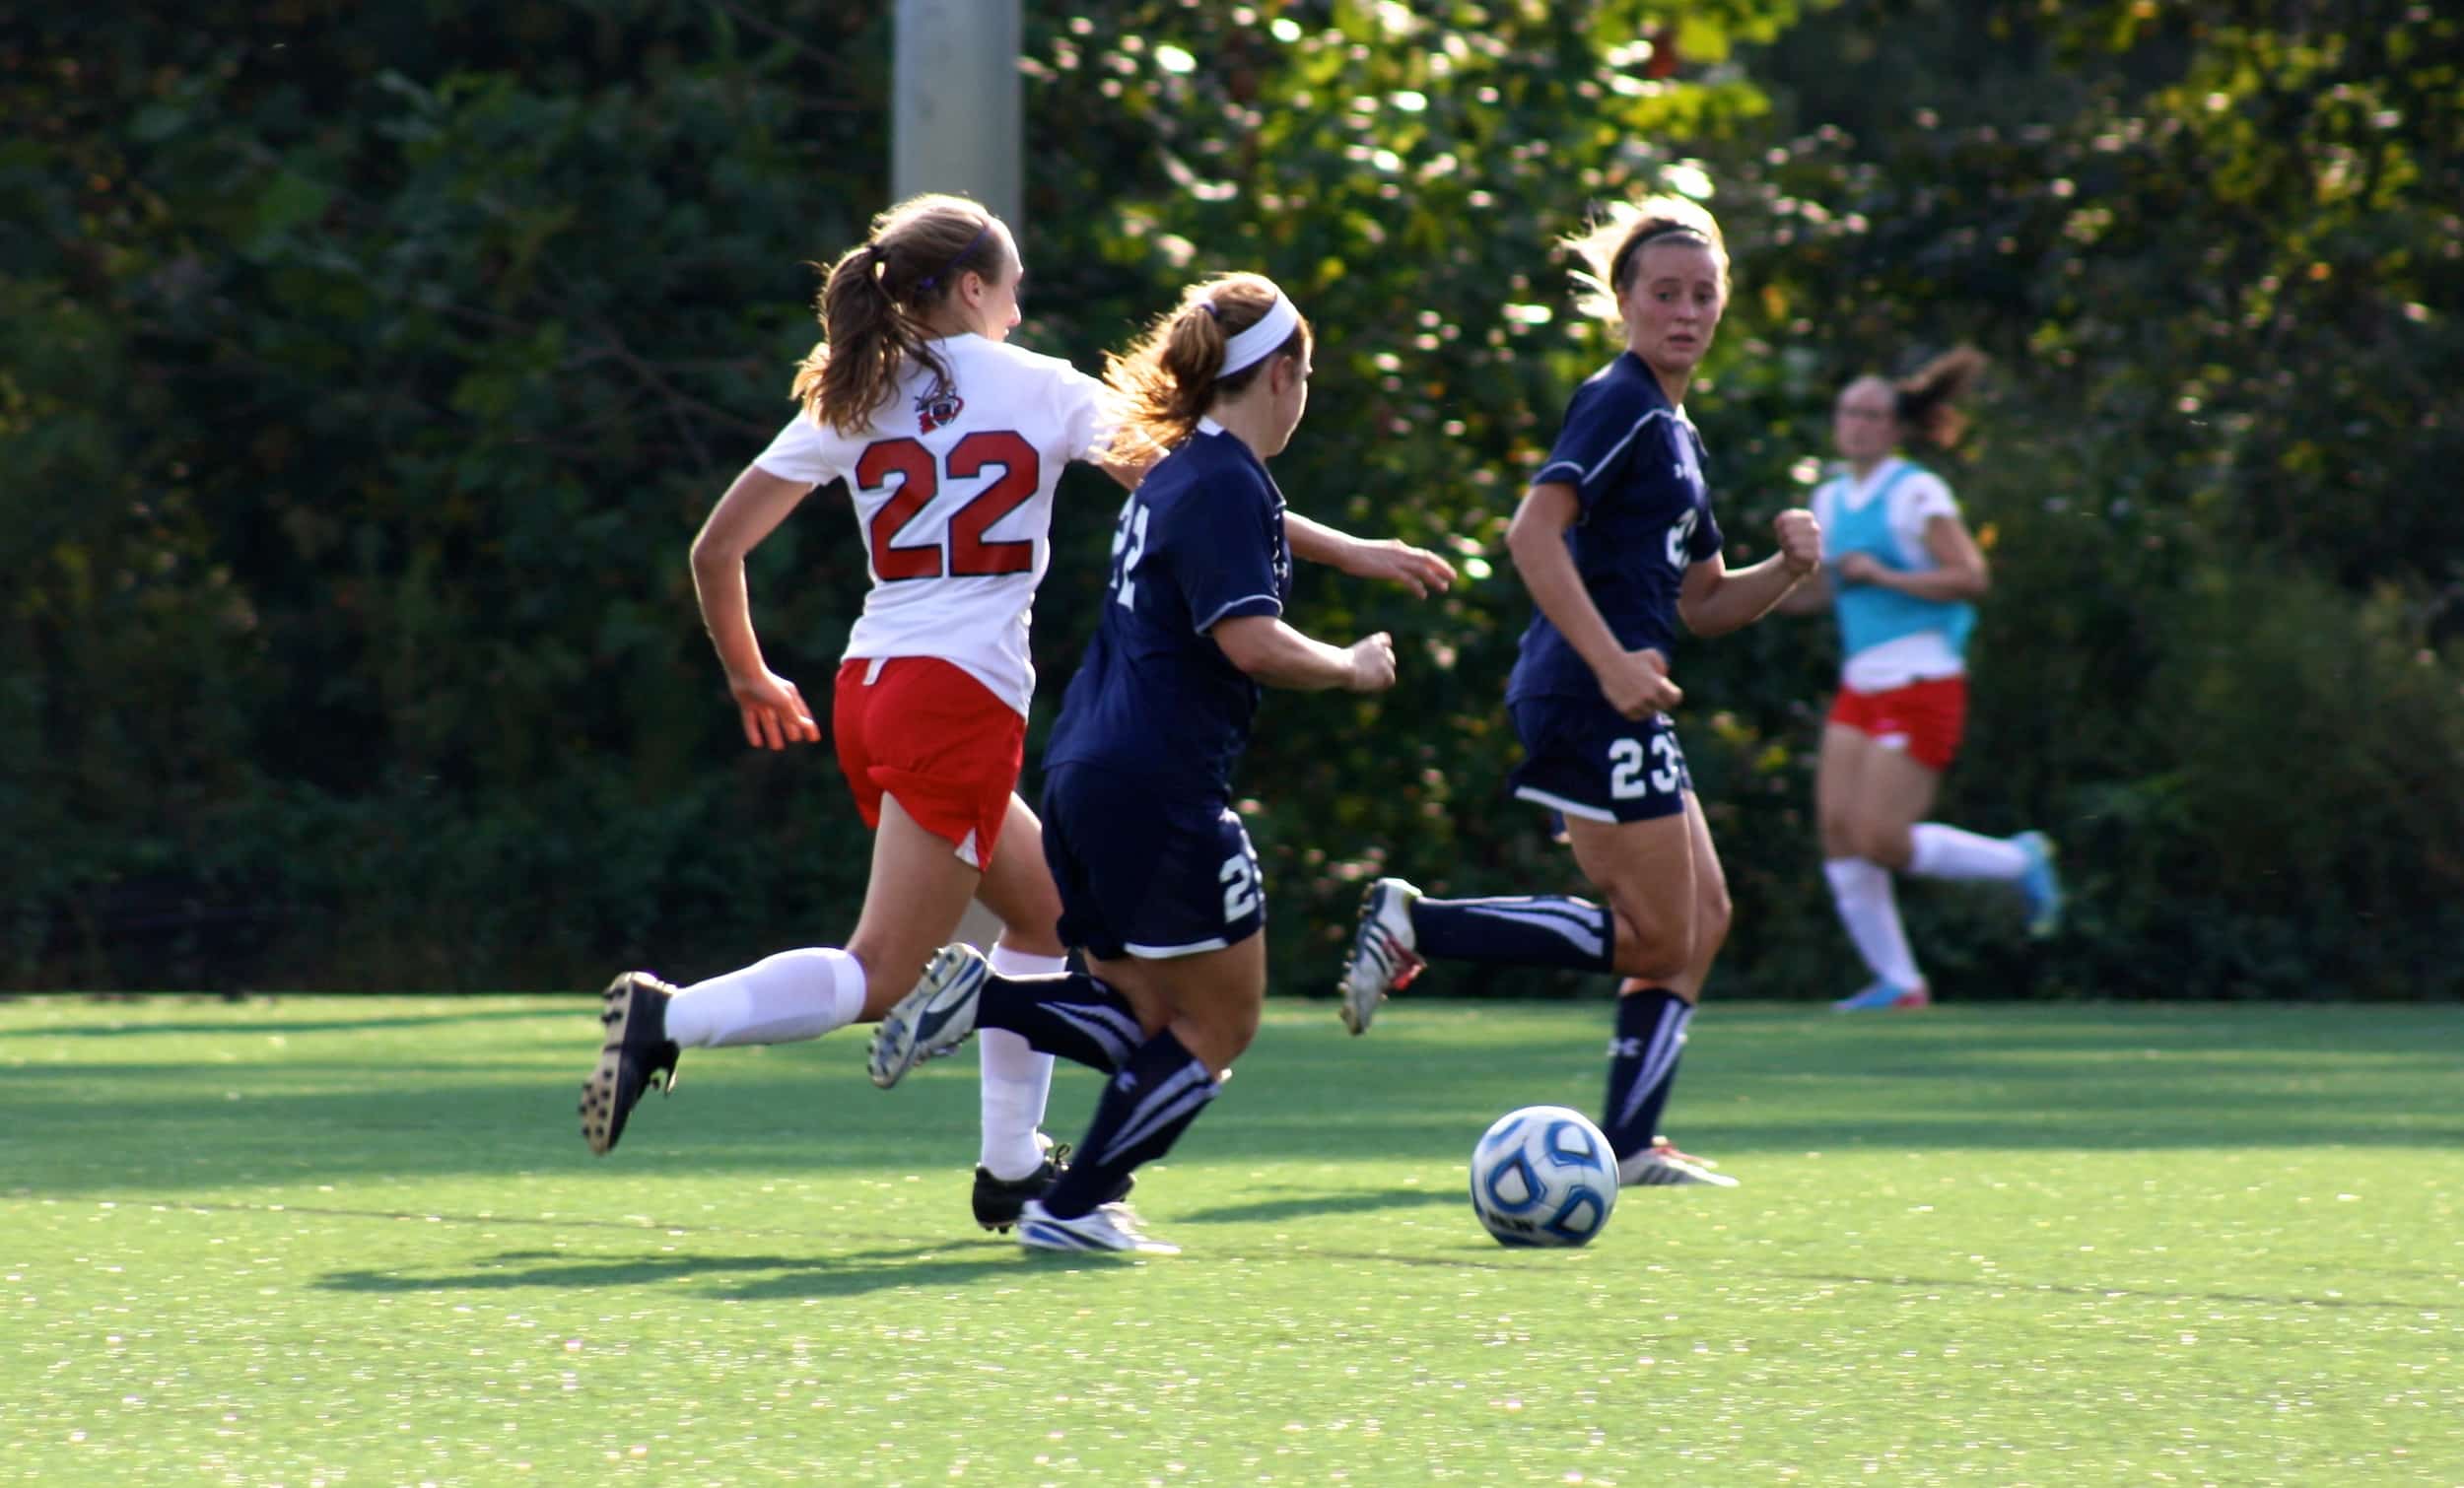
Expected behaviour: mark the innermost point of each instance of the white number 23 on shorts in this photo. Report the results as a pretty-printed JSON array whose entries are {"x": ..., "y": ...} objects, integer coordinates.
[{"x": 1626, "y": 778}]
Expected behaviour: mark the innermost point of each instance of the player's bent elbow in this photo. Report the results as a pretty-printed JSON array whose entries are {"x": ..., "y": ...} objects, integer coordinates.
[
  {"x": 1702, "y": 622},
  {"x": 1525, "y": 538},
  {"x": 710, "y": 556},
  {"x": 1248, "y": 642}
]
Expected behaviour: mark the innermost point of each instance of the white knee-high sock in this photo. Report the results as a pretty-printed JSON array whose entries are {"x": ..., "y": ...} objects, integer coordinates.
[
  {"x": 779, "y": 1000},
  {"x": 1016, "y": 1080},
  {"x": 1942, "y": 851},
  {"x": 1871, "y": 912}
]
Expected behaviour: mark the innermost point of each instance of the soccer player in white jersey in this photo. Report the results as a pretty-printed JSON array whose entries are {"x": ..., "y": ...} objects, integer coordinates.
[
  {"x": 1903, "y": 572},
  {"x": 1616, "y": 540},
  {"x": 951, "y": 442},
  {"x": 1160, "y": 883}
]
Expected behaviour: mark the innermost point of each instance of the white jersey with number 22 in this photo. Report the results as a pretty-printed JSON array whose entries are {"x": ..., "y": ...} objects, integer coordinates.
[{"x": 953, "y": 492}]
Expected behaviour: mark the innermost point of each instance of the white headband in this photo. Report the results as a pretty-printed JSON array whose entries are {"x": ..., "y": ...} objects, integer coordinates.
[{"x": 1260, "y": 341}]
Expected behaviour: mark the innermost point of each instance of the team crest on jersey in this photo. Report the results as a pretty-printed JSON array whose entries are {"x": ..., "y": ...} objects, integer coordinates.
[{"x": 937, "y": 408}]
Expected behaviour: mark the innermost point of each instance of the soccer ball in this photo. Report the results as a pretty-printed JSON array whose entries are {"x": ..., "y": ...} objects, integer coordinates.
[{"x": 1543, "y": 1176}]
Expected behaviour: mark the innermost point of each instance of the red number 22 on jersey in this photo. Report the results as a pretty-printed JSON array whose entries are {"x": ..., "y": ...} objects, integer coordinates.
[{"x": 969, "y": 554}]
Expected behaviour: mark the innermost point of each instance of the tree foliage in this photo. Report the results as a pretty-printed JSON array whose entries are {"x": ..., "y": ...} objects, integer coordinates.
[{"x": 375, "y": 366}]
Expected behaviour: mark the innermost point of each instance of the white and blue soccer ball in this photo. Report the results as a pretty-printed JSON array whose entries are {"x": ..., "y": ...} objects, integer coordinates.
[{"x": 1543, "y": 1176}]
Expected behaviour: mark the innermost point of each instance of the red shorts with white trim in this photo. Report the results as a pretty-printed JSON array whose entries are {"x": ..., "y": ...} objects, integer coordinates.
[
  {"x": 1925, "y": 719},
  {"x": 930, "y": 735}
]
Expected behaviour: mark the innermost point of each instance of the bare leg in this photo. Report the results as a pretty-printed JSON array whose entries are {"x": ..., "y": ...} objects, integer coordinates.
[
  {"x": 1018, "y": 888},
  {"x": 919, "y": 890},
  {"x": 1646, "y": 872}
]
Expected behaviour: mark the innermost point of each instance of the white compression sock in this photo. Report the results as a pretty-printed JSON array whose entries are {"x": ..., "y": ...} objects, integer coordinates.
[
  {"x": 1862, "y": 890},
  {"x": 1941, "y": 851},
  {"x": 1016, "y": 1079},
  {"x": 779, "y": 1000}
]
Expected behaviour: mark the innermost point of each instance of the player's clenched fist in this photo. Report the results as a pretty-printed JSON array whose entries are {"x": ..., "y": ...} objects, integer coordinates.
[
  {"x": 1373, "y": 664},
  {"x": 1800, "y": 540},
  {"x": 1638, "y": 686}
]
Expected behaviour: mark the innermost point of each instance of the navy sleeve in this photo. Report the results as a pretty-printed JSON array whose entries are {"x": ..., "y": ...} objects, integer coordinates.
[
  {"x": 1594, "y": 445},
  {"x": 1223, "y": 549},
  {"x": 1706, "y": 540}
]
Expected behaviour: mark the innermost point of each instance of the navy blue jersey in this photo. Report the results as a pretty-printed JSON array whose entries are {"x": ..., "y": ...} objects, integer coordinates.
[
  {"x": 1635, "y": 464},
  {"x": 1201, "y": 541}
]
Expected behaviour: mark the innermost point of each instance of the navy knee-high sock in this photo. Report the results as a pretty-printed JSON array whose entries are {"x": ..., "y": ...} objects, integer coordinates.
[
  {"x": 1642, "y": 1066},
  {"x": 1523, "y": 930},
  {"x": 1075, "y": 1015},
  {"x": 1144, "y": 1109}
]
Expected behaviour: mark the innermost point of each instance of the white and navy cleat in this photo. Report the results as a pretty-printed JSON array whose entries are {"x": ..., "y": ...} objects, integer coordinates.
[
  {"x": 1106, "y": 1227},
  {"x": 936, "y": 1017}
]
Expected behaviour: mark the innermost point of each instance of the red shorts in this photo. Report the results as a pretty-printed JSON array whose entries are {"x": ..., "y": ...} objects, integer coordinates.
[
  {"x": 1925, "y": 719},
  {"x": 931, "y": 735}
]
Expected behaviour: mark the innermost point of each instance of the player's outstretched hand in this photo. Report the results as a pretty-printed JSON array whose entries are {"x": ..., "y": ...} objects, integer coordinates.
[
  {"x": 1640, "y": 686},
  {"x": 1373, "y": 664},
  {"x": 774, "y": 715},
  {"x": 1415, "y": 569},
  {"x": 1800, "y": 540}
]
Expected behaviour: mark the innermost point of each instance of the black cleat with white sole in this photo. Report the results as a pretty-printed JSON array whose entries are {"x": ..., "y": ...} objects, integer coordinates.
[{"x": 638, "y": 1056}]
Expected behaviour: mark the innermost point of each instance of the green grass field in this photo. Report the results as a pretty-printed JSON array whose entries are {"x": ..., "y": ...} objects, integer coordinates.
[{"x": 357, "y": 1241}]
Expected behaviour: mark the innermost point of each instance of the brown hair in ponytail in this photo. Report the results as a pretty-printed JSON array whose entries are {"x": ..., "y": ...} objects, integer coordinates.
[
  {"x": 1923, "y": 402},
  {"x": 1166, "y": 380},
  {"x": 877, "y": 298}
]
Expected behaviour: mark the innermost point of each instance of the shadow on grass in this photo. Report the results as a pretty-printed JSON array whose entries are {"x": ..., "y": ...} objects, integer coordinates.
[
  {"x": 772, "y": 1278},
  {"x": 1318, "y": 1205},
  {"x": 745, "y": 1277}
]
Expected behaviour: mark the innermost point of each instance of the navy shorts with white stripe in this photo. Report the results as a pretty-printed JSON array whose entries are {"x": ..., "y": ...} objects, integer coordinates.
[{"x": 1586, "y": 760}]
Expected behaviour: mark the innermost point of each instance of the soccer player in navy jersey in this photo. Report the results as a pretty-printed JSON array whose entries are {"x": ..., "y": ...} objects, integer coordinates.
[
  {"x": 1159, "y": 886},
  {"x": 1617, "y": 541}
]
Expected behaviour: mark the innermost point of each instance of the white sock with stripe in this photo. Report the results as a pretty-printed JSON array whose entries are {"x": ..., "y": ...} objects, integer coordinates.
[{"x": 1519, "y": 930}]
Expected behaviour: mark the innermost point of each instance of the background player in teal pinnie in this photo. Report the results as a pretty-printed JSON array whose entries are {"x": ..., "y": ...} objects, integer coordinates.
[{"x": 1903, "y": 572}]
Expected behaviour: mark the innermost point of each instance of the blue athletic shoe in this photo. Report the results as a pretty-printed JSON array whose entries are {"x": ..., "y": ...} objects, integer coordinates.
[
  {"x": 2041, "y": 885},
  {"x": 1884, "y": 996}
]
